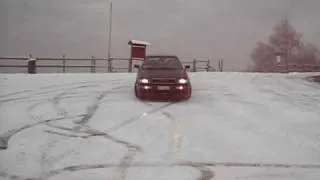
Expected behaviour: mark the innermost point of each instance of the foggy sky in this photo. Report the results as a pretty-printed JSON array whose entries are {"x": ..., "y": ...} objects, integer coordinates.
[{"x": 203, "y": 29}]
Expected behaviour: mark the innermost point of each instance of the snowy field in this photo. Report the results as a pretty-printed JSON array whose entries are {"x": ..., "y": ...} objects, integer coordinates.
[{"x": 241, "y": 126}]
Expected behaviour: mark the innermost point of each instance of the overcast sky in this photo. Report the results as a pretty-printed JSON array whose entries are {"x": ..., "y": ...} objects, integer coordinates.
[{"x": 203, "y": 29}]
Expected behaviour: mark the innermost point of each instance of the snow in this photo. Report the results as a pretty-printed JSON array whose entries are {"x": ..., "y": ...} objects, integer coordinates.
[
  {"x": 90, "y": 126},
  {"x": 139, "y": 42}
]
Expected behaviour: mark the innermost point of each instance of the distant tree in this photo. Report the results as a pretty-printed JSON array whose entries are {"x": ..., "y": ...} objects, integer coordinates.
[
  {"x": 309, "y": 54},
  {"x": 262, "y": 57},
  {"x": 285, "y": 36},
  {"x": 286, "y": 42}
]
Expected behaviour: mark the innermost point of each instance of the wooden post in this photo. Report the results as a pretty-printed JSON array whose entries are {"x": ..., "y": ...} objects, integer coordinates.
[
  {"x": 130, "y": 65},
  {"x": 93, "y": 64},
  {"x": 194, "y": 64},
  {"x": 221, "y": 65},
  {"x": 109, "y": 40},
  {"x": 32, "y": 65},
  {"x": 110, "y": 64},
  {"x": 208, "y": 65},
  {"x": 64, "y": 63}
]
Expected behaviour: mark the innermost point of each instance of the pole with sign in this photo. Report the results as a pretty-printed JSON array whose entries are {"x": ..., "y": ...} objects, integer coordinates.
[{"x": 138, "y": 51}]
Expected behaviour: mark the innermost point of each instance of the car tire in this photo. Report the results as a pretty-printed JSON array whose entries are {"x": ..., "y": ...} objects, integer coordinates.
[
  {"x": 137, "y": 94},
  {"x": 188, "y": 96}
]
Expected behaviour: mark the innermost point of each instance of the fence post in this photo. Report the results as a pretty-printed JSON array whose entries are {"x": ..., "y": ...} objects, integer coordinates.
[
  {"x": 64, "y": 63},
  {"x": 110, "y": 64},
  {"x": 32, "y": 65},
  {"x": 93, "y": 64},
  {"x": 221, "y": 65},
  {"x": 130, "y": 65},
  {"x": 208, "y": 65},
  {"x": 194, "y": 63}
]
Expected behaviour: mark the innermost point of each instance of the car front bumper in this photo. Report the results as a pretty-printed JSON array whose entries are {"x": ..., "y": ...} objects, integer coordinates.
[{"x": 155, "y": 91}]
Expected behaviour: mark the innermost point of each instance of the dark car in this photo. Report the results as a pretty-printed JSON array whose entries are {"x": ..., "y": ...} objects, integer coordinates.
[{"x": 162, "y": 77}]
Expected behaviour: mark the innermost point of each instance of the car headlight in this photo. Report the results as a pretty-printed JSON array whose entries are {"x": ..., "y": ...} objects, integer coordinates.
[
  {"x": 144, "y": 81},
  {"x": 182, "y": 81}
]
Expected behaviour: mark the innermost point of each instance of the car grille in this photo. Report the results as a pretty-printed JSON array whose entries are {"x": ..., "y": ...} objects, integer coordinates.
[{"x": 163, "y": 81}]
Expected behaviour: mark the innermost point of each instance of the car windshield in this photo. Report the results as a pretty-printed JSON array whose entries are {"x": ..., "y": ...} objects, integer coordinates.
[{"x": 161, "y": 63}]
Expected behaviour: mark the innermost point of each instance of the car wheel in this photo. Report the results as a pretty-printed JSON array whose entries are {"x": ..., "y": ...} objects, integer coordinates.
[
  {"x": 137, "y": 94},
  {"x": 188, "y": 96}
]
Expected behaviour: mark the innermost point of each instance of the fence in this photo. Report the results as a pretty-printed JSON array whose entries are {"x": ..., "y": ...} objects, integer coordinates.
[
  {"x": 296, "y": 68},
  {"x": 80, "y": 65}
]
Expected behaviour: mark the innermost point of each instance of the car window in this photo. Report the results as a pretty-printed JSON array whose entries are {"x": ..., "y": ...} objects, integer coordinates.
[{"x": 162, "y": 62}]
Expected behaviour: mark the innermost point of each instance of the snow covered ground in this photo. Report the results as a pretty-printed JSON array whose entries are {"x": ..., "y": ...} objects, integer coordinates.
[{"x": 90, "y": 126}]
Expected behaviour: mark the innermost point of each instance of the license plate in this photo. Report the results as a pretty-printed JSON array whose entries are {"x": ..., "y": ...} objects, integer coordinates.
[{"x": 163, "y": 87}]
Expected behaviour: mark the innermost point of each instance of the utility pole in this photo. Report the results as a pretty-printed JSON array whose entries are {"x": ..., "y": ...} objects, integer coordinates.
[{"x": 109, "y": 41}]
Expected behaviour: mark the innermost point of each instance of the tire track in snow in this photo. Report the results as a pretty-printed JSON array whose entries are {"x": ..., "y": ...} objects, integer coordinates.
[
  {"x": 91, "y": 110},
  {"x": 138, "y": 117},
  {"x": 176, "y": 129},
  {"x": 90, "y": 132},
  {"x": 176, "y": 126},
  {"x": 201, "y": 167},
  {"x": 55, "y": 101},
  {"x": 84, "y": 120},
  {"x": 5, "y": 137},
  {"x": 126, "y": 160},
  {"x": 125, "y": 163},
  {"x": 38, "y": 91},
  {"x": 14, "y": 177},
  {"x": 292, "y": 175},
  {"x": 15, "y": 93},
  {"x": 30, "y": 110},
  {"x": 45, "y": 161},
  {"x": 77, "y": 168},
  {"x": 132, "y": 149},
  {"x": 206, "y": 173}
]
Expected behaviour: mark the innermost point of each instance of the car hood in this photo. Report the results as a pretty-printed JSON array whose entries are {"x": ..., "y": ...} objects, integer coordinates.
[{"x": 155, "y": 73}]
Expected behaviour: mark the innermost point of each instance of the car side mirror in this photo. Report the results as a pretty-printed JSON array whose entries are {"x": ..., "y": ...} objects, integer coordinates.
[
  {"x": 187, "y": 66},
  {"x": 136, "y": 66}
]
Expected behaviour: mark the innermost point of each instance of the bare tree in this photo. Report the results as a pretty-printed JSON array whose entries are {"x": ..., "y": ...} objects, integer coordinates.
[
  {"x": 286, "y": 42},
  {"x": 263, "y": 57}
]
